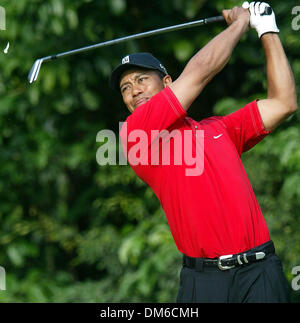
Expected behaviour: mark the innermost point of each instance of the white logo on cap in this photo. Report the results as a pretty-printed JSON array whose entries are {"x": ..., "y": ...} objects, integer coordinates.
[
  {"x": 163, "y": 68},
  {"x": 125, "y": 59}
]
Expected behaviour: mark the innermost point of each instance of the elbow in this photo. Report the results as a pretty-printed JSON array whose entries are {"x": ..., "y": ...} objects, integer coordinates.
[
  {"x": 293, "y": 105},
  {"x": 292, "y": 100},
  {"x": 290, "y": 103},
  {"x": 294, "y": 109},
  {"x": 291, "y": 109}
]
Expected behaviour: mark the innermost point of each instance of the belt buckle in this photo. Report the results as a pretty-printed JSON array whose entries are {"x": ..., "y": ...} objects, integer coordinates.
[{"x": 220, "y": 264}]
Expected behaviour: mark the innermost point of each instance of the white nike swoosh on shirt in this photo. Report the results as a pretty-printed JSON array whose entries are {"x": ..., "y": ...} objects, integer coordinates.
[{"x": 216, "y": 137}]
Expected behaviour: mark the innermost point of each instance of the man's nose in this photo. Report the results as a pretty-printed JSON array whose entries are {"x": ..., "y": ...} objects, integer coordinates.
[{"x": 136, "y": 90}]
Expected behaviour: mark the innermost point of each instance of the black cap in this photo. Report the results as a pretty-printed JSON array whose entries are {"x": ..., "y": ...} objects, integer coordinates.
[{"x": 145, "y": 60}]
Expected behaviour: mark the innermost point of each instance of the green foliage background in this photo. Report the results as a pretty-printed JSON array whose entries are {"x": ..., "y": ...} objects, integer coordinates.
[{"x": 74, "y": 231}]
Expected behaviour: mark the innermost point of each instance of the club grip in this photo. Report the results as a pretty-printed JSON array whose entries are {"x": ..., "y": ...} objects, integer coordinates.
[{"x": 214, "y": 19}]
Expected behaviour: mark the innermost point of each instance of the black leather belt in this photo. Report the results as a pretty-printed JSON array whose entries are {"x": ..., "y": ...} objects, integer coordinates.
[{"x": 230, "y": 261}]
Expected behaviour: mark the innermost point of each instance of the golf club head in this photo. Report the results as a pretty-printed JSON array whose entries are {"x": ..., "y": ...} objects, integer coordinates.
[{"x": 35, "y": 69}]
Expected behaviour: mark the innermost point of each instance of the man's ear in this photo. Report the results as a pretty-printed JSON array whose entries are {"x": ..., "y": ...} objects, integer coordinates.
[{"x": 167, "y": 80}]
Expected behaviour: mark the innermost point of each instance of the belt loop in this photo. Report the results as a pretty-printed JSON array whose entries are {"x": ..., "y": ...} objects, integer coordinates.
[{"x": 198, "y": 264}]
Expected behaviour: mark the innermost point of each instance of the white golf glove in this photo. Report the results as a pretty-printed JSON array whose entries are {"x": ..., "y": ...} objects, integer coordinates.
[{"x": 262, "y": 17}]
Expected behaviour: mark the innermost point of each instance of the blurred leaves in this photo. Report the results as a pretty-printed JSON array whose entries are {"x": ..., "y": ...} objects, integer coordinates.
[{"x": 74, "y": 231}]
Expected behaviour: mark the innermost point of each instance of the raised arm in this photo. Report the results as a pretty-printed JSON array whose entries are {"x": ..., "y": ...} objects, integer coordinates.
[
  {"x": 281, "y": 100},
  {"x": 210, "y": 59}
]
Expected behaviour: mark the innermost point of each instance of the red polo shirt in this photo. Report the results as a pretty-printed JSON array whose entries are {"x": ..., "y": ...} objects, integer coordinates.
[{"x": 213, "y": 210}]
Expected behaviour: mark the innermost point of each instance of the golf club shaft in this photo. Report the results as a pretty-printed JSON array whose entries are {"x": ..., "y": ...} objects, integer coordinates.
[
  {"x": 136, "y": 36},
  {"x": 34, "y": 72}
]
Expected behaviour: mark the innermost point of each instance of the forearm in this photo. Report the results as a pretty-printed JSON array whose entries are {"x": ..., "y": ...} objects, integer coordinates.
[
  {"x": 209, "y": 60},
  {"x": 215, "y": 55},
  {"x": 281, "y": 84}
]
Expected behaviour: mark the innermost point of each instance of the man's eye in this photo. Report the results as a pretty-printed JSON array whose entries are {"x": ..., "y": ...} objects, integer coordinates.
[
  {"x": 124, "y": 88},
  {"x": 143, "y": 78}
]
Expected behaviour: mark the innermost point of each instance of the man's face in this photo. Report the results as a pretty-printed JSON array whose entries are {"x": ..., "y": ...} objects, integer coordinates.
[{"x": 139, "y": 85}]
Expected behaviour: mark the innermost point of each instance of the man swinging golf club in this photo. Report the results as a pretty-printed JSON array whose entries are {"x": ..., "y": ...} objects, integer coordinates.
[{"x": 214, "y": 218}]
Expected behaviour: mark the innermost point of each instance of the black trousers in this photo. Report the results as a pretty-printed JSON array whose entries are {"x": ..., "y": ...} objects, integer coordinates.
[{"x": 259, "y": 282}]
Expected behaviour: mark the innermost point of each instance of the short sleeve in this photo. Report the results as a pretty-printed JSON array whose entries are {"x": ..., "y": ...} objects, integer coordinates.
[{"x": 245, "y": 127}]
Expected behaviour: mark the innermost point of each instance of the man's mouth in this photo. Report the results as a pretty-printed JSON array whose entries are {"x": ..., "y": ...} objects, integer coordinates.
[{"x": 140, "y": 102}]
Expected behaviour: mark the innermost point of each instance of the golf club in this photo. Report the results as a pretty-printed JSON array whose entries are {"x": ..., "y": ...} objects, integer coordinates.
[{"x": 34, "y": 72}]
